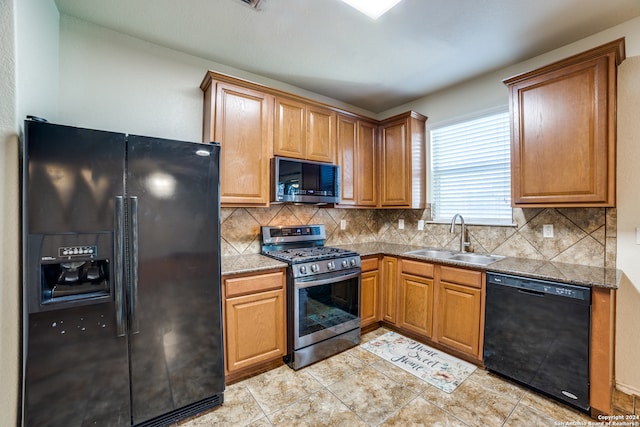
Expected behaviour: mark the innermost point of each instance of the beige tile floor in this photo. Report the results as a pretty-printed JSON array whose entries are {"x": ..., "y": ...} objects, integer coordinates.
[{"x": 357, "y": 388}]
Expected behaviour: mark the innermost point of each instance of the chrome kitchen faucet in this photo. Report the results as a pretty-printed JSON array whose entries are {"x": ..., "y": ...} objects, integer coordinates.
[{"x": 463, "y": 242}]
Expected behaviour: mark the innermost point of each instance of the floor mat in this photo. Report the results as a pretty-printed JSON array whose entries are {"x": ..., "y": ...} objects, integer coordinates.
[{"x": 434, "y": 366}]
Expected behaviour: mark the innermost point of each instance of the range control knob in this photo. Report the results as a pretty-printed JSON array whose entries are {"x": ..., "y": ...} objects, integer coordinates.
[
  {"x": 331, "y": 266},
  {"x": 345, "y": 263},
  {"x": 315, "y": 268},
  {"x": 303, "y": 269},
  {"x": 353, "y": 262}
]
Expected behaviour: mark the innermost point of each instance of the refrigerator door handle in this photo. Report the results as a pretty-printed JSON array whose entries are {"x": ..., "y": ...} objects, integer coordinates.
[
  {"x": 118, "y": 266},
  {"x": 133, "y": 272}
]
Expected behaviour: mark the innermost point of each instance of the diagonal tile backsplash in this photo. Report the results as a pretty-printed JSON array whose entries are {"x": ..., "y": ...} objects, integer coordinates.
[{"x": 581, "y": 235}]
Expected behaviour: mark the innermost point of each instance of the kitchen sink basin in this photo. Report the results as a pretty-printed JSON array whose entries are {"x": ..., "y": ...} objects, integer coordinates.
[
  {"x": 470, "y": 258},
  {"x": 432, "y": 253},
  {"x": 476, "y": 258}
]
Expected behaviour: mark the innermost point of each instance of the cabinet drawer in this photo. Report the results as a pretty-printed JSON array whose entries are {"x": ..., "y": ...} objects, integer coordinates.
[
  {"x": 417, "y": 268},
  {"x": 235, "y": 286},
  {"x": 369, "y": 264},
  {"x": 461, "y": 276}
]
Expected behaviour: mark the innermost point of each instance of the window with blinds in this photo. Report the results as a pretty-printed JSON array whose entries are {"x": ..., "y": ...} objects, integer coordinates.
[{"x": 470, "y": 171}]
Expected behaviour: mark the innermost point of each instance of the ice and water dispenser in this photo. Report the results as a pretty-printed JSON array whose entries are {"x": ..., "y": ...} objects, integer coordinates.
[{"x": 69, "y": 269}]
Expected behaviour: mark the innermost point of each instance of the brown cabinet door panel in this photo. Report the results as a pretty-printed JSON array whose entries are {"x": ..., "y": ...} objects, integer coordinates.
[
  {"x": 346, "y": 139},
  {"x": 459, "y": 317},
  {"x": 563, "y": 131},
  {"x": 390, "y": 285},
  {"x": 369, "y": 298},
  {"x": 255, "y": 329},
  {"x": 321, "y": 134},
  {"x": 290, "y": 129},
  {"x": 243, "y": 126},
  {"x": 416, "y": 305},
  {"x": 367, "y": 164}
]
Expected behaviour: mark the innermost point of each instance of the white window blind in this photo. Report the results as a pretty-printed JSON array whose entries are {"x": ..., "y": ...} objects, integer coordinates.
[{"x": 470, "y": 171}]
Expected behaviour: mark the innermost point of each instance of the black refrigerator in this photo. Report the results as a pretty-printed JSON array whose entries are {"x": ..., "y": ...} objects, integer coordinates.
[{"x": 121, "y": 278}]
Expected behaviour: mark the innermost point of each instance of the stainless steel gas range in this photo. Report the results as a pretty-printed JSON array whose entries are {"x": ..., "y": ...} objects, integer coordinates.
[{"x": 323, "y": 292}]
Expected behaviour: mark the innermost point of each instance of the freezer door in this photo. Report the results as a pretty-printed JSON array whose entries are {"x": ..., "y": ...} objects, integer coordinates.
[
  {"x": 71, "y": 178},
  {"x": 174, "y": 281},
  {"x": 76, "y": 365}
]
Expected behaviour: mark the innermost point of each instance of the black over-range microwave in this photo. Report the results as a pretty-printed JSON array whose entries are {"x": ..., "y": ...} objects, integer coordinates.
[{"x": 303, "y": 181}]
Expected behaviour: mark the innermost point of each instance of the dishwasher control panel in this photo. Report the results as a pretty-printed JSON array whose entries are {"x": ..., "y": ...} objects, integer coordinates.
[{"x": 582, "y": 293}]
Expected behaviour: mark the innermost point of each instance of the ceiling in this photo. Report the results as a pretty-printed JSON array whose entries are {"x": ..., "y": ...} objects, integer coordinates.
[{"x": 327, "y": 47}]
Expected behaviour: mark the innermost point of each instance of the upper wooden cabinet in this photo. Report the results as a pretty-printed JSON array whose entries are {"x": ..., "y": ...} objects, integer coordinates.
[
  {"x": 241, "y": 119},
  {"x": 563, "y": 131},
  {"x": 347, "y": 139},
  {"x": 304, "y": 131},
  {"x": 290, "y": 129},
  {"x": 367, "y": 164},
  {"x": 357, "y": 158},
  {"x": 402, "y": 161}
]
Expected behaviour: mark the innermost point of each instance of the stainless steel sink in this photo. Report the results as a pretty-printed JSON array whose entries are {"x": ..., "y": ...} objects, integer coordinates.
[
  {"x": 479, "y": 259},
  {"x": 432, "y": 253},
  {"x": 469, "y": 258}
]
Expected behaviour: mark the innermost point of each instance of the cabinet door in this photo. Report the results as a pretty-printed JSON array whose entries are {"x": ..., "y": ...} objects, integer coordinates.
[
  {"x": 563, "y": 131},
  {"x": 390, "y": 289},
  {"x": 459, "y": 317},
  {"x": 369, "y": 298},
  {"x": 416, "y": 304},
  {"x": 321, "y": 134},
  {"x": 347, "y": 134},
  {"x": 367, "y": 164},
  {"x": 243, "y": 126},
  {"x": 395, "y": 165},
  {"x": 290, "y": 128},
  {"x": 255, "y": 329}
]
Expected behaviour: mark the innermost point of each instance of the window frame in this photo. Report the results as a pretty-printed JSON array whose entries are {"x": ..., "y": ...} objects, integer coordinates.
[{"x": 429, "y": 176}]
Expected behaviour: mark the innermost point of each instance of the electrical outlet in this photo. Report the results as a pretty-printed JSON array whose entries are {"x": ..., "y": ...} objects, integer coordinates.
[
  {"x": 401, "y": 224},
  {"x": 547, "y": 230},
  {"x": 343, "y": 224},
  {"x": 420, "y": 224}
]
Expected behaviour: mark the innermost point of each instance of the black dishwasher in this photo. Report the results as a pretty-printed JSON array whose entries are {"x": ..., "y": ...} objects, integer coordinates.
[{"x": 537, "y": 333}]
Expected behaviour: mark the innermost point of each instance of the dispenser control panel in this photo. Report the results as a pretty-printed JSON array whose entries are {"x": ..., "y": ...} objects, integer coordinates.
[{"x": 78, "y": 251}]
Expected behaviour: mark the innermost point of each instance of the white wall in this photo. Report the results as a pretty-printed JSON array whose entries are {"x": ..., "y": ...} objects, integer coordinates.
[
  {"x": 487, "y": 93},
  {"x": 111, "y": 81},
  {"x": 28, "y": 85},
  {"x": 628, "y": 306},
  {"x": 37, "y": 28}
]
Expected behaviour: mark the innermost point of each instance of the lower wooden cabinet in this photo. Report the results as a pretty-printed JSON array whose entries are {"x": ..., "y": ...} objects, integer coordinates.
[
  {"x": 416, "y": 304},
  {"x": 254, "y": 320},
  {"x": 370, "y": 292},
  {"x": 389, "y": 269},
  {"x": 458, "y": 319},
  {"x": 460, "y": 315},
  {"x": 416, "y": 297},
  {"x": 442, "y": 304}
]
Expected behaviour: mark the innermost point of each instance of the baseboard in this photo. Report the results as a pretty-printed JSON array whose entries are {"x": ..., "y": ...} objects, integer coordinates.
[{"x": 625, "y": 403}]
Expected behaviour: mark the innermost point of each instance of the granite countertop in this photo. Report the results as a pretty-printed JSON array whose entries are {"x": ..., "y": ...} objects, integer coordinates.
[
  {"x": 539, "y": 269},
  {"x": 249, "y": 263}
]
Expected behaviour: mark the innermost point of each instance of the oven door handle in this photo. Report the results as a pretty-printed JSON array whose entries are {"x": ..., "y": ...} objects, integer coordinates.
[{"x": 307, "y": 283}]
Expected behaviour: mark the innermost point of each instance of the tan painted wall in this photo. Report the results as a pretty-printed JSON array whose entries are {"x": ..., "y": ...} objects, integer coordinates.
[
  {"x": 628, "y": 305},
  {"x": 9, "y": 231}
]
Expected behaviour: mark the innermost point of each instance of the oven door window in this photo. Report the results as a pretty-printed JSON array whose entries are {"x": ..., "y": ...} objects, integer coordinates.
[{"x": 328, "y": 307}]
